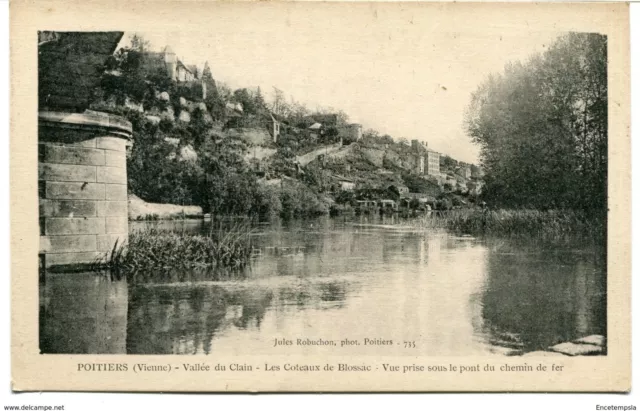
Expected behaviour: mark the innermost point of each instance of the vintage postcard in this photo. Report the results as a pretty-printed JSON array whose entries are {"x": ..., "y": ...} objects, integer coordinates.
[{"x": 303, "y": 197}]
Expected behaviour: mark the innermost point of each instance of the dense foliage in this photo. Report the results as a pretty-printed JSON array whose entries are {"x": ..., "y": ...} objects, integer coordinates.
[
  {"x": 542, "y": 128},
  {"x": 195, "y": 162}
]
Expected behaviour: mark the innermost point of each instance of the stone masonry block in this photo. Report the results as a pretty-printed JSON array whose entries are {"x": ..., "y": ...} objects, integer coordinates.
[
  {"x": 71, "y": 226},
  {"x": 54, "y": 259},
  {"x": 66, "y": 172},
  {"x": 61, "y": 136},
  {"x": 115, "y": 158},
  {"x": 67, "y": 243},
  {"x": 68, "y": 208},
  {"x": 112, "y": 208},
  {"x": 74, "y": 191},
  {"x": 117, "y": 225},
  {"x": 112, "y": 143},
  {"x": 45, "y": 245},
  {"x": 116, "y": 192},
  {"x": 106, "y": 242},
  {"x": 73, "y": 155},
  {"x": 116, "y": 175}
]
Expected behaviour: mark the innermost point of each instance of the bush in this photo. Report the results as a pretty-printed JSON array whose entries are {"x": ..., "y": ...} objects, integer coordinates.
[
  {"x": 162, "y": 250},
  {"x": 267, "y": 202},
  {"x": 298, "y": 201}
]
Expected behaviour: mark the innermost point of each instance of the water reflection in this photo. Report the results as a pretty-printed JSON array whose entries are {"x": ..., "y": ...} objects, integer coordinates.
[
  {"x": 334, "y": 279},
  {"x": 537, "y": 296},
  {"x": 83, "y": 313}
]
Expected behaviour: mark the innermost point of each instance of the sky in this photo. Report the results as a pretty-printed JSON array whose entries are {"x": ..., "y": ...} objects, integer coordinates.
[{"x": 407, "y": 73}]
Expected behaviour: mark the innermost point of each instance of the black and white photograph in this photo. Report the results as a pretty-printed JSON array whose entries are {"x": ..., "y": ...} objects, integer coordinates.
[
  {"x": 208, "y": 203},
  {"x": 316, "y": 193}
]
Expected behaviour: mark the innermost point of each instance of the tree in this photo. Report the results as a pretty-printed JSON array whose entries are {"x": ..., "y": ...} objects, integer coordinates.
[
  {"x": 243, "y": 97},
  {"x": 542, "y": 127},
  {"x": 155, "y": 171},
  {"x": 139, "y": 43},
  {"x": 417, "y": 184},
  {"x": 124, "y": 78},
  {"x": 279, "y": 103},
  {"x": 225, "y": 174},
  {"x": 448, "y": 163},
  {"x": 370, "y": 134}
]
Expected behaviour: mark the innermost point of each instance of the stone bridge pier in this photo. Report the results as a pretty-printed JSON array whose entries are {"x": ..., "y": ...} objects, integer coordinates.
[
  {"x": 82, "y": 184},
  {"x": 82, "y": 170}
]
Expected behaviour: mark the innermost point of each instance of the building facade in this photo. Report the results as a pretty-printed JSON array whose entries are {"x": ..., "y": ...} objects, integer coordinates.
[
  {"x": 420, "y": 165},
  {"x": 433, "y": 163}
]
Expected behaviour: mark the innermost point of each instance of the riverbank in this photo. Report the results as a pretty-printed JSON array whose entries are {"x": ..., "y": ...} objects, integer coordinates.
[
  {"x": 531, "y": 223},
  {"x": 140, "y": 210}
]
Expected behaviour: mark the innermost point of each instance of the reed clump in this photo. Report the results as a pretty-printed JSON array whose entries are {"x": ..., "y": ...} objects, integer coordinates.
[
  {"x": 538, "y": 223},
  {"x": 156, "y": 249}
]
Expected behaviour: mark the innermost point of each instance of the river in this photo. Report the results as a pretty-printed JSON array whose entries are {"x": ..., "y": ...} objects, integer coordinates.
[{"x": 407, "y": 292}]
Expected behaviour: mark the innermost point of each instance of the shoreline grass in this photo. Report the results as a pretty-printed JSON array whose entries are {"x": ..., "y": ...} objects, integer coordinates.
[
  {"x": 222, "y": 248},
  {"x": 516, "y": 223}
]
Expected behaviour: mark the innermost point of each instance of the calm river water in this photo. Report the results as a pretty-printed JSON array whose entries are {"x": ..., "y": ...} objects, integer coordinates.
[{"x": 333, "y": 279}]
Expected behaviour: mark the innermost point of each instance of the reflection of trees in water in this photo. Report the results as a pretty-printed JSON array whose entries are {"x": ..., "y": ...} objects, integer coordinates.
[
  {"x": 184, "y": 320},
  {"x": 173, "y": 320},
  {"x": 188, "y": 275},
  {"x": 254, "y": 303},
  {"x": 537, "y": 298}
]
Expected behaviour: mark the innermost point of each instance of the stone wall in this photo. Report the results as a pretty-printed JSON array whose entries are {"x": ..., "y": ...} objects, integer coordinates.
[
  {"x": 305, "y": 159},
  {"x": 82, "y": 186}
]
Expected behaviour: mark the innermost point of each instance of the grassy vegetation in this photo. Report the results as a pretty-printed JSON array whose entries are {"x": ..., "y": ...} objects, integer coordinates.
[
  {"x": 223, "y": 247},
  {"x": 531, "y": 223}
]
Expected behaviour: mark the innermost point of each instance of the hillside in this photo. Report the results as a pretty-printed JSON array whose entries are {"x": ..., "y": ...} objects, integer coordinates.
[{"x": 197, "y": 143}]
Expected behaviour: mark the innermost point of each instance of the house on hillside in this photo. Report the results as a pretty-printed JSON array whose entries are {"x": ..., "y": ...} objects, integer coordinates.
[
  {"x": 402, "y": 189},
  {"x": 346, "y": 184},
  {"x": 273, "y": 125},
  {"x": 316, "y": 129},
  {"x": 426, "y": 201},
  {"x": 167, "y": 63},
  {"x": 185, "y": 73}
]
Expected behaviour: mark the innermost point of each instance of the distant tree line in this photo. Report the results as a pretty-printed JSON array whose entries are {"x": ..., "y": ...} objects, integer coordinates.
[{"x": 542, "y": 128}]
